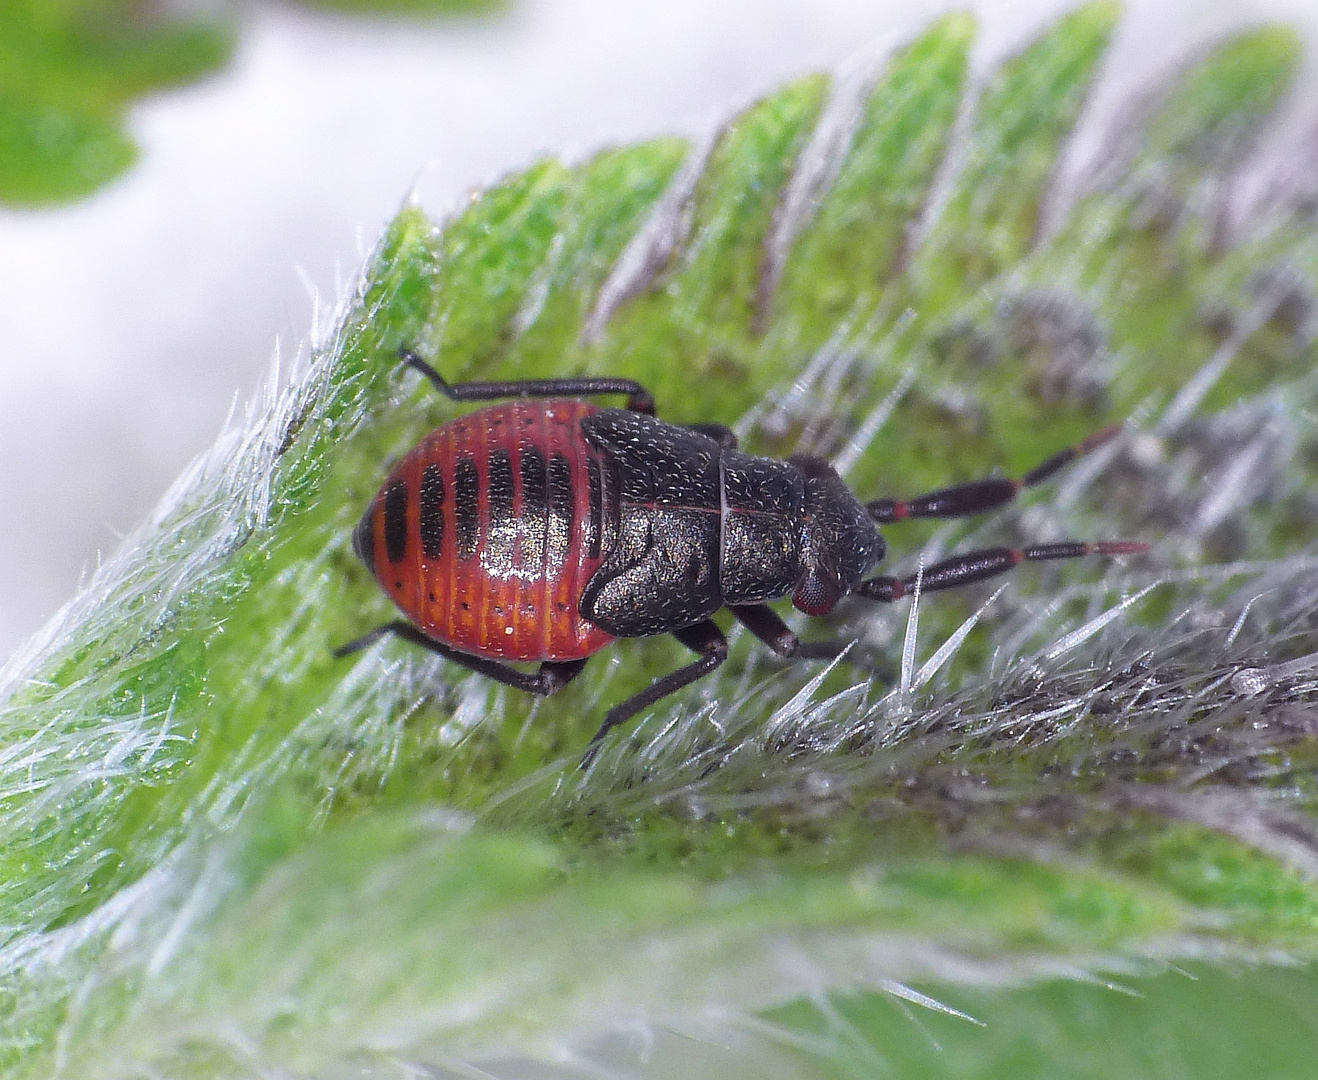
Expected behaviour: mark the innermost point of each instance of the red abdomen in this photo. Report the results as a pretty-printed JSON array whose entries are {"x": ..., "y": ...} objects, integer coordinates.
[{"x": 487, "y": 532}]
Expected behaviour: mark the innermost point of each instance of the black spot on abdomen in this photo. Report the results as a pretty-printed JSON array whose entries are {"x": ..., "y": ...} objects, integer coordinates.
[
  {"x": 466, "y": 507},
  {"x": 431, "y": 515},
  {"x": 534, "y": 506},
  {"x": 395, "y": 521},
  {"x": 501, "y": 532},
  {"x": 558, "y": 532}
]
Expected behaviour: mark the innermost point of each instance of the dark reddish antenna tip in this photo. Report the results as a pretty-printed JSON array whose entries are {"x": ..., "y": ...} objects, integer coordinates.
[
  {"x": 1064, "y": 457},
  {"x": 1121, "y": 547},
  {"x": 1100, "y": 437}
]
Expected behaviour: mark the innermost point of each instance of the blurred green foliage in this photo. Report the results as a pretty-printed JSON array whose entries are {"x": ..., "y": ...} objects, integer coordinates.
[
  {"x": 1227, "y": 1022},
  {"x": 413, "y": 8},
  {"x": 70, "y": 69}
]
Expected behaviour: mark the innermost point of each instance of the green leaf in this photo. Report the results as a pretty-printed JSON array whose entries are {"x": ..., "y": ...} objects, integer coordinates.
[
  {"x": 225, "y": 852},
  {"x": 699, "y": 306},
  {"x": 853, "y": 245},
  {"x": 69, "y": 71},
  {"x": 1021, "y": 122}
]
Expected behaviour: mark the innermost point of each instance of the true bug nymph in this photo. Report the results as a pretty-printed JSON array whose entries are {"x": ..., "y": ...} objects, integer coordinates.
[{"x": 542, "y": 528}]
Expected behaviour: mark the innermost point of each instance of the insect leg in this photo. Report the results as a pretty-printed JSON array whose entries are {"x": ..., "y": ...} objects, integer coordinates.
[
  {"x": 979, "y": 495},
  {"x": 989, "y": 562},
  {"x": 706, "y": 639},
  {"x": 639, "y": 399},
  {"x": 763, "y": 622},
  {"x": 720, "y": 433},
  {"x": 552, "y": 675}
]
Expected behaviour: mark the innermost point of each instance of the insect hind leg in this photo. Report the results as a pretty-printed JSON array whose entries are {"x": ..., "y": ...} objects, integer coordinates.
[
  {"x": 552, "y": 675},
  {"x": 639, "y": 399}
]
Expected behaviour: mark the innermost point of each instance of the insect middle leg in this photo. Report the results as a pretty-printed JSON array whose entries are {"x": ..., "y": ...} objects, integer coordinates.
[
  {"x": 704, "y": 638},
  {"x": 977, "y": 496},
  {"x": 639, "y": 399},
  {"x": 552, "y": 675}
]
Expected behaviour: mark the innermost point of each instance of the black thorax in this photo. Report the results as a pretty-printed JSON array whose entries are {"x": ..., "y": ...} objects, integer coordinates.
[{"x": 700, "y": 526}]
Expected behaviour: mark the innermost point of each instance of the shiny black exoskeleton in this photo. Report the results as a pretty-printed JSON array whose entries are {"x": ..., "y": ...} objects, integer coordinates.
[
  {"x": 702, "y": 526},
  {"x": 661, "y": 526}
]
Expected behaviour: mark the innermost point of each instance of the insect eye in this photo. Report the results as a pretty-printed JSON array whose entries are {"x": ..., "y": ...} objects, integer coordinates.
[{"x": 817, "y": 592}]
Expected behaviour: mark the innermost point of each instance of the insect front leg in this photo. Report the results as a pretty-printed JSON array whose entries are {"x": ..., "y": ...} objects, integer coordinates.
[{"x": 762, "y": 621}]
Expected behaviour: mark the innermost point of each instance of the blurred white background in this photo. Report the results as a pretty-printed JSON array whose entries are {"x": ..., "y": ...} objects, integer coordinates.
[{"x": 129, "y": 322}]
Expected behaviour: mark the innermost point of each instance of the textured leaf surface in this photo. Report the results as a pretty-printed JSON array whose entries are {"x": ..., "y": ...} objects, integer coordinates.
[{"x": 225, "y": 853}]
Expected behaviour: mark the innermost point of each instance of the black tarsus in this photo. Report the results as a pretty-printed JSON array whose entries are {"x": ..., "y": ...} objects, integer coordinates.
[
  {"x": 639, "y": 399},
  {"x": 704, "y": 638},
  {"x": 552, "y": 675},
  {"x": 977, "y": 496}
]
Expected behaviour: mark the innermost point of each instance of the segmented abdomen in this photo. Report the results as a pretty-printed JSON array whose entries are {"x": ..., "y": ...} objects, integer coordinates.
[{"x": 486, "y": 534}]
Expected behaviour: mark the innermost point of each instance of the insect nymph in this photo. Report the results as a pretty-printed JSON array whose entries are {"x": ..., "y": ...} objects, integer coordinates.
[{"x": 543, "y": 528}]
